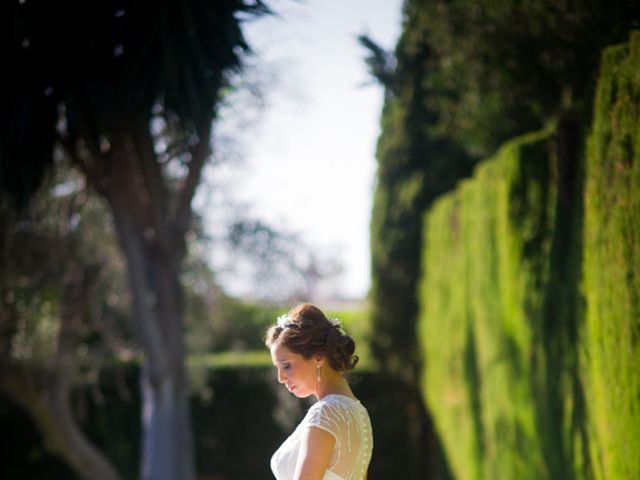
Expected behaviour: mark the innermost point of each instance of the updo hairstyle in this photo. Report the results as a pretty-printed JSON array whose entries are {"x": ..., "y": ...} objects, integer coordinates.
[{"x": 305, "y": 330}]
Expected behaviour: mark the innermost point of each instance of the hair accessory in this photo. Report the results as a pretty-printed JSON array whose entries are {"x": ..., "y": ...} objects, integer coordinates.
[
  {"x": 336, "y": 322},
  {"x": 284, "y": 321}
]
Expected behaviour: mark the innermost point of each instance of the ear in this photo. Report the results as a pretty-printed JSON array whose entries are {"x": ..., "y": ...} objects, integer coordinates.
[{"x": 319, "y": 360}]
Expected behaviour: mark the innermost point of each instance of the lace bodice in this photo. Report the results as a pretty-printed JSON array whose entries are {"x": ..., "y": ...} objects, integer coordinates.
[{"x": 348, "y": 421}]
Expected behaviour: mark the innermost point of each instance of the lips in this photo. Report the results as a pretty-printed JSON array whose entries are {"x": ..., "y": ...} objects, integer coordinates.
[{"x": 291, "y": 388}]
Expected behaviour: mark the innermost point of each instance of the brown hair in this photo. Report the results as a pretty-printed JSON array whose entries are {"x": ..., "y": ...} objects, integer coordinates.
[{"x": 305, "y": 330}]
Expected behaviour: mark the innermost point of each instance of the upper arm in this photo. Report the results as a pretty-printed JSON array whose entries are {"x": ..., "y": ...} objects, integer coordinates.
[{"x": 316, "y": 450}]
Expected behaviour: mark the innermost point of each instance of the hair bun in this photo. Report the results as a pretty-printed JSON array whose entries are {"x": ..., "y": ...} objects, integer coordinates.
[
  {"x": 307, "y": 331},
  {"x": 340, "y": 349}
]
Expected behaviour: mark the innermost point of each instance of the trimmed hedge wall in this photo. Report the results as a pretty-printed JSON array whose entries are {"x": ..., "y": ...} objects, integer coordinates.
[
  {"x": 240, "y": 416},
  {"x": 530, "y": 313},
  {"x": 482, "y": 284},
  {"x": 612, "y": 266}
]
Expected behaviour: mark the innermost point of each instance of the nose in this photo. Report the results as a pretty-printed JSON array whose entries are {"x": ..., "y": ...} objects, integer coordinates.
[{"x": 281, "y": 378}]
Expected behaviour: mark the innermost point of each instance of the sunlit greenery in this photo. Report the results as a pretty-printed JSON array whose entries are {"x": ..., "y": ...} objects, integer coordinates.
[
  {"x": 260, "y": 358},
  {"x": 253, "y": 320},
  {"x": 520, "y": 261},
  {"x": 611, "y": 357},
  {"x": 357, "y": 324},
  {"x": 530, "y": 305},
  {"x": 480, "y": 285}
]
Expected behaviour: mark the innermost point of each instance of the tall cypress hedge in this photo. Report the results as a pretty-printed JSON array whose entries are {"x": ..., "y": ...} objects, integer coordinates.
[
  {"x": 530, "y": 311},
  {"x": 611, "y": 336}
]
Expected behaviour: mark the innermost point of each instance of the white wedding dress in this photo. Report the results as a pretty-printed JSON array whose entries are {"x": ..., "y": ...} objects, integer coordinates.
[{"x": 348, "y": 421}]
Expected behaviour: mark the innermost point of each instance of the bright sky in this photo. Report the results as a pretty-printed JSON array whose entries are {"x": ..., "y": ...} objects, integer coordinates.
[{"x": 308, "y": 157}]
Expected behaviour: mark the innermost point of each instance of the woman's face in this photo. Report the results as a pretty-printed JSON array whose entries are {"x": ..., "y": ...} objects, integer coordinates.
[{"x": 297, "y": 373}]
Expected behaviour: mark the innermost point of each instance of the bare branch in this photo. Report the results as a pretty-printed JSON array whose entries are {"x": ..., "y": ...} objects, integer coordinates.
[
  {"x": 50, "y": 409},
  {"x": 153, "y": 180},
  {"x": 182, "y": 214},
  {"x": 85, "y": 160}
]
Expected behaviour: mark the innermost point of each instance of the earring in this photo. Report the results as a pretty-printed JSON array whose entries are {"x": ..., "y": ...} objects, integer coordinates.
[{"x": 318, "y": 376}]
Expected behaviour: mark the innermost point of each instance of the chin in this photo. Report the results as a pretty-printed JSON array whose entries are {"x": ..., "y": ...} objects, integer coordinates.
[{"x": 301, "y": 394}]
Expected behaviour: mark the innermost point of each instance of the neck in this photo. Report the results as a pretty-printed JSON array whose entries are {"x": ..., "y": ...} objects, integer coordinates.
[{"x": 333, "y": 382}]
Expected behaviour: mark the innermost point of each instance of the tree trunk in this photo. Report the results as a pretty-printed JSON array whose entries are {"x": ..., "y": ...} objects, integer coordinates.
[
  {"x": 166, "y": 442},
  {"x": 153, "y": 266},
  {"x": 151, "y": 223},
  {"x": 50, "y": 409}
]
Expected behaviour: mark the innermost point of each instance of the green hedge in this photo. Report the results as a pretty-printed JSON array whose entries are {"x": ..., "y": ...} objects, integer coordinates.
[
  {"x": 612, "y": 266},
  {"x": 240, "y": 417},
  {"x": 529, "y": 318},
  {"x": 479, "y": 286}
]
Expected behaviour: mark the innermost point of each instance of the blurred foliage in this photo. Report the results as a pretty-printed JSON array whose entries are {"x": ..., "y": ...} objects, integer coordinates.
[
  {"x": 233, "y": 333},
  {"x": 281, "y": 265},
  {"x": 124, "y": 62},
  {"x": 483, "y": 323},
  {"x": 62, "y": 305},
  {"x": 467, "y": 76},
  {"x": 234, "y": 328},
  {"x": 357, "y": 323},
  {"x": 64, "y": 223},
  {"x": 231, "y": 359},
  {"x": 503, "y": 68},
  {"x": 239, "y": 409},
  {"x": 413, "y": 168},
  {"x": 611, "y": 359},
  {"x": 241, "y": 326},
  {"x": 529, "y": 302},
  {"x": 129, "y": 92}
]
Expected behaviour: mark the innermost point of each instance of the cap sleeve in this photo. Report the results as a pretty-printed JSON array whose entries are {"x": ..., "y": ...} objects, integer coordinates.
[{"x": 326, "y": 417}]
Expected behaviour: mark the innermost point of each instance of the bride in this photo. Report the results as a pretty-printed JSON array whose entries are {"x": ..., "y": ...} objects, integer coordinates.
[{"x": 334, "y": 440}]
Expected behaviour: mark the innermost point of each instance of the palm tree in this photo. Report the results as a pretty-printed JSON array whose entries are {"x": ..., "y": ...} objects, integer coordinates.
[{"x": 128, "y": 90}]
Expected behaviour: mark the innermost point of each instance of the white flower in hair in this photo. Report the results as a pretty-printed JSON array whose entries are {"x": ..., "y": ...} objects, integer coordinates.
[
  {"x": 335, "y": 321},
  {"x": 284, "y": 321}
]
